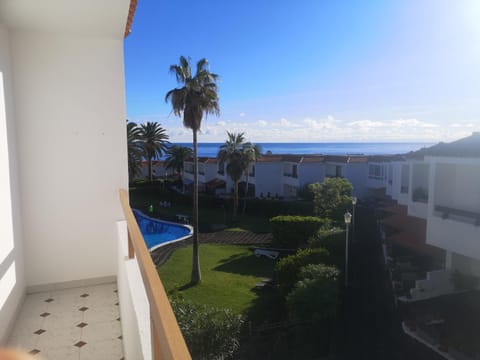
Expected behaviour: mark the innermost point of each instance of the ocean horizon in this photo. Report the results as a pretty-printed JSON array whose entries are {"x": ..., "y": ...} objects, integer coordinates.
[{"x": 327, "y": 148}]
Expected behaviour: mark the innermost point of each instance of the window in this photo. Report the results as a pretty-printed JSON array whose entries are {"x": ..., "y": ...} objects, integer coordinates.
[{"x": 375, "y": 172}]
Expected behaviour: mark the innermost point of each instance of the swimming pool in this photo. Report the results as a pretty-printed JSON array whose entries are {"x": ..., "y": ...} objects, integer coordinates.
[{"x": 158, "y": 232}]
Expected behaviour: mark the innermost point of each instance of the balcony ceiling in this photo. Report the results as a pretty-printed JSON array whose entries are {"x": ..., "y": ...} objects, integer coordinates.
[{"x": 106, "y": 18}]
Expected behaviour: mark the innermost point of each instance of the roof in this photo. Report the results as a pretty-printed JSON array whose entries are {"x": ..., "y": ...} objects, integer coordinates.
[
  {"x": 131, "y": 14},
  {"x": 205, "y": 160},
  {"x": 466, "y": 147}
]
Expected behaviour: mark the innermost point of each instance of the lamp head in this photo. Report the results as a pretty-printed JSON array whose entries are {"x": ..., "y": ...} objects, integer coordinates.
[
  {"x": 354, "y": 200},
  {"x": 348, "y": 218}
]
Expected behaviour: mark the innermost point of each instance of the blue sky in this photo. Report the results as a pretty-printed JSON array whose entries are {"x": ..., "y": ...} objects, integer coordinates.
[{"x": 314, "y": 70}]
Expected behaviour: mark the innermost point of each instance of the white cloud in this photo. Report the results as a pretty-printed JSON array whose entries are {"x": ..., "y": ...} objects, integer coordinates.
[
  {"x": 262, "y": 123},
  {"x": 221, "y": 123},
  {"x": 242, "y": 114}
]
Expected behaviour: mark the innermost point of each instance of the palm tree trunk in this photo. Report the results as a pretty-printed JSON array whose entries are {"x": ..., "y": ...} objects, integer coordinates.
[
  {"x": 150, "y": 168},
  {"x": 235, "y": 199},
  {"x": 246, "y": 193},
  {"x": 196, "y": 273}
]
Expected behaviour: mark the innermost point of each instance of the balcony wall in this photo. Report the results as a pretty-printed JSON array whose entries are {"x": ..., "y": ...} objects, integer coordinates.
[
  {"x": 12, "y": 279},
  {"x": 454, "y": 206},
  {"x": 418, "y": 190}
]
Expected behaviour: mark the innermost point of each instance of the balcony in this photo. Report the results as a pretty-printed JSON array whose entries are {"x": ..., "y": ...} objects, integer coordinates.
[
  {"x": 404, "y": 189},
  {"x": 290, "y": 175}
]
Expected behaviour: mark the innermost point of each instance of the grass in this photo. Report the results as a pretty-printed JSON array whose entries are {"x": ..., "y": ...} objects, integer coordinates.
[{"x": 229, "y": 274}]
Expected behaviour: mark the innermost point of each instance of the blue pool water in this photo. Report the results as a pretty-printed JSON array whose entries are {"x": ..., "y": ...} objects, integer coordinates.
[{"x": 157, "y": 232}]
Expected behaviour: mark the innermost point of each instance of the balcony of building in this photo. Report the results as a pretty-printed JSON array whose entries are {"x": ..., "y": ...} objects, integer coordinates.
[
  {"x": 123, "y": 316},
  {"x": 454, "y": 209},
  {"x": 333, "y": 170},
  {"x": 403, "y": 196},
  {"x": 419, "y": 185}
]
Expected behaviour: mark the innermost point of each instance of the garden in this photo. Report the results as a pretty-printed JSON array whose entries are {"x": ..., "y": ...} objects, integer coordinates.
[{"x": 256, "y": 307}]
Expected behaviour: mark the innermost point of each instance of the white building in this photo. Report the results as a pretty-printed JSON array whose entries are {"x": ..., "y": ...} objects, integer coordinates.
[
  {"x": 440, "y": 185},
  {"x": 62, "y": 106}
]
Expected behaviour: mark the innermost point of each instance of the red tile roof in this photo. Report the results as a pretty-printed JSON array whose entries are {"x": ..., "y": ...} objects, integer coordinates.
[{"x": 131, "y": 14}]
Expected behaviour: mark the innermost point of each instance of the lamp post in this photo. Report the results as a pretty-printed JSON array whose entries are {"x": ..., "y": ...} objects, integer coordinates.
[
  {"x": 354, "y": 203},
  {"x": 348, "y": 219}
]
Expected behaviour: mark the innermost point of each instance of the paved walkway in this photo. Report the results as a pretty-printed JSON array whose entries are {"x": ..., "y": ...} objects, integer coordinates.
[{"x": 162, "y": 254}]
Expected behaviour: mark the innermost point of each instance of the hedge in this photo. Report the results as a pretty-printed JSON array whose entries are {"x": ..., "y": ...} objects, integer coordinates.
[
  {"x": 210, "y": 333},
  {"x": 332, "y": 239},
  {"x": 315, "y": 297},
  {"x": 287, "y": 270},
  {"x": 292, "y": 231}
]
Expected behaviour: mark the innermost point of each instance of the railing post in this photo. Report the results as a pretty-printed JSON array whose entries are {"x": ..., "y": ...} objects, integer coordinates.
[
  {"x": 131, "y": 250},
  {"x": 156, "y": 351}
]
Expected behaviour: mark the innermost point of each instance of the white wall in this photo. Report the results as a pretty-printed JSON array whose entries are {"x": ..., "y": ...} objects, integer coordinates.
[
  {"x": 133, "y": 300},
  {"x": 70, "y": 112},
  {"x": 311, "y": 173},
  {"x": 357, "y": 174},
  {"x": 269, "y": 178},
  {"x": 12, "y": 282}
]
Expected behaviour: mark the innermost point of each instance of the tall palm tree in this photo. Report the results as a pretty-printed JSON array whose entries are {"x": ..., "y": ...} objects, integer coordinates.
[
  {"x": 155, "y": 143},
  {"x": 232, "y": 153},
  {"x": 176, "y": 156},
  {"x": 135, "y": 150},
  {"x": 197, "y": 96},
  {"x": 251, "y": 153}
]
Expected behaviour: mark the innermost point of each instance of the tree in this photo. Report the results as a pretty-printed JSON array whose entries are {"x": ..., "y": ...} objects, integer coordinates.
[
  {"x": 332, "y": 198},
  {"x": 135, "y": 150},
  {"x": 176, "y": 156},
  {"x": 252, "y": 153},
  {"x": 233, "y": 153},
  {"x": 155, "y": 142},
  {"x": 196, "y": 97}
]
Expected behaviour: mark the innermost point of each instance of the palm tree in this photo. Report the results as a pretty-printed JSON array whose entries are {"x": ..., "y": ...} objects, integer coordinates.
[
  {"x": 232, "y": 153},
  {"x": 155, "y": 142},
  {"x": 251, "y": 153},
  {"x": 134, "y": 145},
  {"x": 196, "y": 97},
  {"x": 176, "y": 156}
]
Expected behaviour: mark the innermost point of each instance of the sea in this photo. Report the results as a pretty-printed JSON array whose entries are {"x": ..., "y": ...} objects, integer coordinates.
[{"x": 325, "y": 148}]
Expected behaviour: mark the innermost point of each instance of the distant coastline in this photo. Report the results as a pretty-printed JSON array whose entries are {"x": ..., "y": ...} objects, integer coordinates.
[{"x": 386, "y": 148}]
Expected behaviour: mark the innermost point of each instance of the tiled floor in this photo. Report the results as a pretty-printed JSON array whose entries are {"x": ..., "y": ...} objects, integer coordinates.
[{"x": 80, "y": 323}]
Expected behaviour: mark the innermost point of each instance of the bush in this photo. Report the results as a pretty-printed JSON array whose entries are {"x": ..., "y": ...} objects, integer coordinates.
[
  {"x": 332, "y": 198},
  {"x": 287, "y": 270},
  {"x": 210, "y": 333},
  {"x": 291, "y": 231},
  {"x": 315, "y": 297},
  {"x": 332, "y": 239}
]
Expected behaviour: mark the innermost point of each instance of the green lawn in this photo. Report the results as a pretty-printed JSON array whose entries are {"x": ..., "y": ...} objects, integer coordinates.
[{"x": 229, "y": 273}]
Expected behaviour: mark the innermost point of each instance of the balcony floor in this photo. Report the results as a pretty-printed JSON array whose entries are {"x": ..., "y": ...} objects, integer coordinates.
[{"x": 80, "y": 323}]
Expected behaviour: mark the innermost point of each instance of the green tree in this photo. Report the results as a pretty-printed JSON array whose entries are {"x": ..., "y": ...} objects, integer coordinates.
[
  {"x": 196, "y": 97},
  {"x": 233, "y": 153},
  {"x": 332, "y": 198},
  {"x": 155, "y": 143},
  {"x": 251, "y": 153},
  {"x": 135, "y": 150},
  {"x": 176, "y": 156}
]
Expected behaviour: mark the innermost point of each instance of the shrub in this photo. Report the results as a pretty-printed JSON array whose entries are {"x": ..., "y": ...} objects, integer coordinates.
[
  {"x": 210, "y": 333},
  {"x": 291, "y": 231},
  {"x": 315, "y": 297},
  {"x": 332, "y": 239},
  {"x": 287, "y": 270},
  {"x": 332, "y": 198}
]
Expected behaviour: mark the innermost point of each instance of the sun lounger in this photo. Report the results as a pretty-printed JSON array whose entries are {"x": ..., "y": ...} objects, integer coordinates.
[{"x": 267, "y": 253}]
